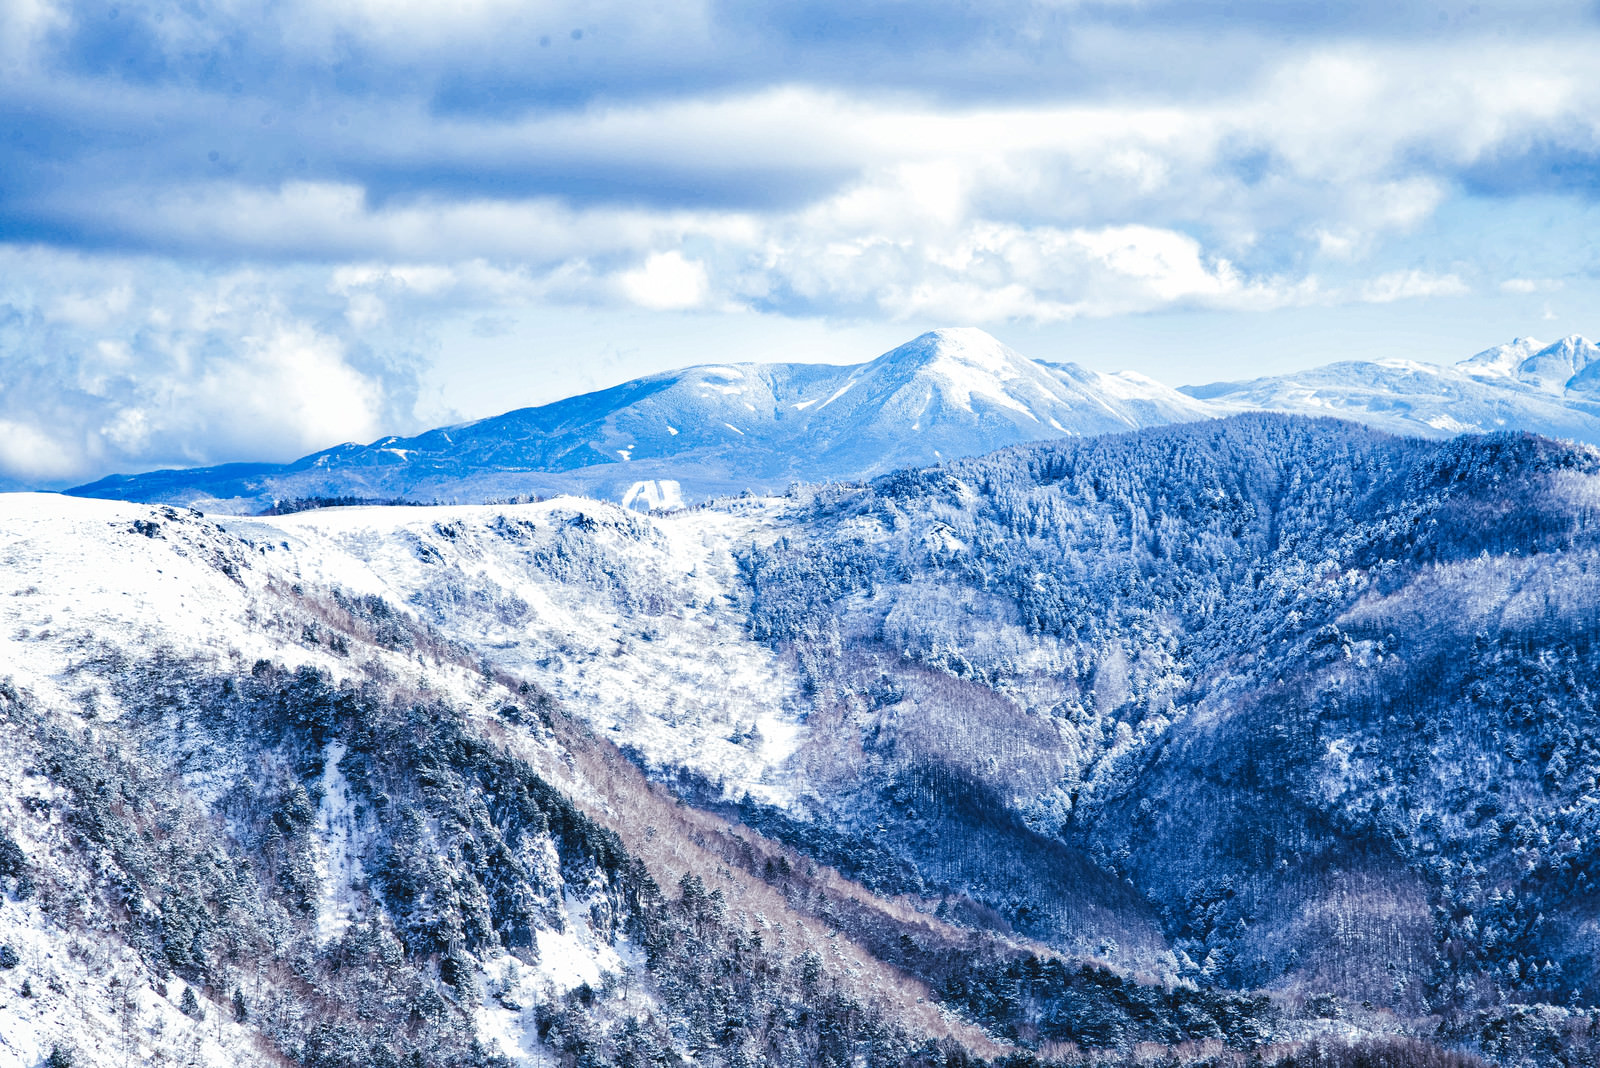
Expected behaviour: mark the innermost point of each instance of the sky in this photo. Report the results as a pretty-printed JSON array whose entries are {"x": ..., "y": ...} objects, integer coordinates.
[{"x": 235, "y": 231}]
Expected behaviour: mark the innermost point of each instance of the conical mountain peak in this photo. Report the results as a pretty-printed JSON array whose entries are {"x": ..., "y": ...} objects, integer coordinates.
[
  {"x": 955, "y": 347},
  {"x": 1502, "y": 359},
  {"x": 715, "y": 429}
]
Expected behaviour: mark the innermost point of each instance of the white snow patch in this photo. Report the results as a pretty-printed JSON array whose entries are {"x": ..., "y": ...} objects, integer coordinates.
[
  {"x": 570, "y": 958},
  {"x": 970, "y": 363},
  {"x": 90, "y": 991},
  {"x": 726, "y": 705},
  {"x": 511, "y": 988},
  {"x": 686, "y": 687},
  {"x": 841, "y": 391},
  {"x": 338, "y": 861},
  {"x": 1450, "y": 425},
  {"x": 654, "y": 495}
]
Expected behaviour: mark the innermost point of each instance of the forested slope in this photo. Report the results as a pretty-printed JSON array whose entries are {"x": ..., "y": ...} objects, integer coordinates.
[
  {"x": 1320, "y": 697},
  {"x": 1193, "y": 744}
]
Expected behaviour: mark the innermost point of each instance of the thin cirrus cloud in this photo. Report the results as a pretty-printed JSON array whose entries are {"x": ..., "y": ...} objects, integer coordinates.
[{"x": 216, "y": 217}]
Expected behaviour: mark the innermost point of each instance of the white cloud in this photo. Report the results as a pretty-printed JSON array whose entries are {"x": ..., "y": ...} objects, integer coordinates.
[
  {"x": 128, "y": 431},
  {"x": 1344, "y": 143},
  {"x": 28, "y": 453},
  {"x": 294, "y": 381},
  {"x": 1307, "y": 171},
  {"x": 1288, "y": 182},
  {"x": 191, "y": 369},
  {"x": 1523, "y": 286},
  {"x": 1407, "y": 285},
  {"x": 90, "y": 309},
  {"x": 666, "y": 282},
  {"x": 23, "y": 23}
]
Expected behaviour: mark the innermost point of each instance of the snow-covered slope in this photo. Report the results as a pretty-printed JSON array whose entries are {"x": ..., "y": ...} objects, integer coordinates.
[
  {"x": 103, "y": 606},
  {"x": 627, "y": 620},
  {"x": 1524, "y": 385},
  {"x": 710, "y": 430},
  {"x": 1170, "y": 700},
  {"x": 634, "y": 623},
  {"x": 953, "y": 393},
  {"x": 175, "y": 698}
]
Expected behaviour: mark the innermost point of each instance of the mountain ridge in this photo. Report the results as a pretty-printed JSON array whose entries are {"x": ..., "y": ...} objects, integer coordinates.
[
  {"x": 711, "y": 430},
  {"x": 1246, "y": 731},
  {"x": 1522, "y": 385}
]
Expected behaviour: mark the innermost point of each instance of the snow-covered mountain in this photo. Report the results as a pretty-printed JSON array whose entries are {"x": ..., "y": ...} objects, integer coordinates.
[
  {"x": 717, "y": 430},
  {"x": 256, "y": 810},
  {"x": 1549, "y": 389},
  {"x": 1240, "y": 732},
  {"x": 710, "y": 430}
]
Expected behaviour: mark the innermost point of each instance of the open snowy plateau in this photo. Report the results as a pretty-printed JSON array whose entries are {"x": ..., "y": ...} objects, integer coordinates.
[{"x": 1234, "y": 732}]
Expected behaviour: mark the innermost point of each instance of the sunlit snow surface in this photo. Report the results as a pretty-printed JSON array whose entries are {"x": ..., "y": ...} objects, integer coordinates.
[
  {"x": 68, "y": 579},
  {"x": 714, "y": 431},
  {"x": 971, "y": 363},
  {"x": 654, "y": 495},
  {"x": 338, "y": 852},
  {"x": 625, "y": 618},
  {"x": 663, "y": 659},
  {"x": 1551, "y": 389},
  {"x": 637, "y": 624}
]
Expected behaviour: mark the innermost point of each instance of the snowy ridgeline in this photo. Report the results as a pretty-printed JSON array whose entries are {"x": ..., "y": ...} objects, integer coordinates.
[
  {"x": 1260, "y": 705},
  {"x": 682, "y": 437},
  {"x": 309, "y": 782},
  {"x": 116, "y": 616},
  {"x": 637, "y": 623}
]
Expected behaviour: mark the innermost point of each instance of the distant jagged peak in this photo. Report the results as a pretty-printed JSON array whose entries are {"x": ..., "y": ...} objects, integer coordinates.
[
  {"x": 1549, "y": 366},
  {"x": 1574, "y": 347},
  {"x": 1502, "y": 360},
  {"x": 964, "y": 365},
  {"x": 1585, "y": 356},
  {"x": 1554, "y": 366}
]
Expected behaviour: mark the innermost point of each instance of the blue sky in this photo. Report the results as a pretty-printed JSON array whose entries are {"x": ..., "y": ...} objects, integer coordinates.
[{"x": 234, "y": 230}]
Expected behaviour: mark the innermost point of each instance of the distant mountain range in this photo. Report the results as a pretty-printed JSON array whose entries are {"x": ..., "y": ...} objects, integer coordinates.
[
  {"x": 673, "y": 438},
  {"x": 1525, "y": 385}
]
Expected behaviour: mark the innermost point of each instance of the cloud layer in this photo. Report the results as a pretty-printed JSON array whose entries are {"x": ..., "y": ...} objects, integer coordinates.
[
  {"x": 233, "y": 232},
  {"x": 118, "y": 362}
]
